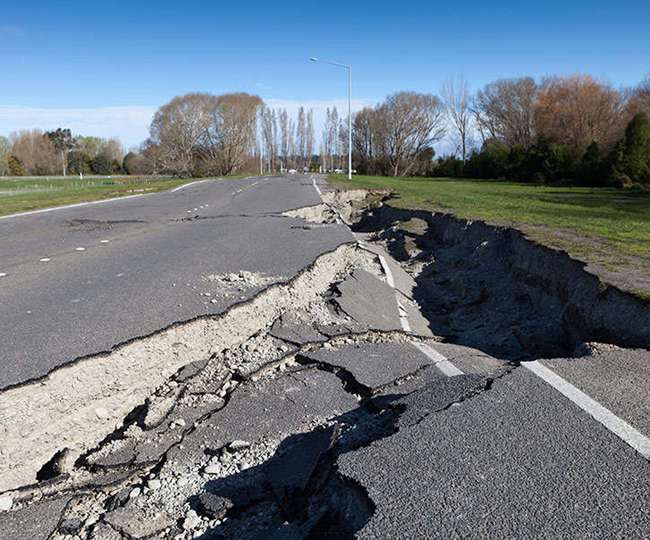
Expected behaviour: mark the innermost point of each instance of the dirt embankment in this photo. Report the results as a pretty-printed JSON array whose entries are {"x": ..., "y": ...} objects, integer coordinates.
[{"x": 494, "y": 289}]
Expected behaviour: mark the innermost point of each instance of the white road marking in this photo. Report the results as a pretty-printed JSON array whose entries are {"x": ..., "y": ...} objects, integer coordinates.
[
  {"x": 190, "y": 184},
  {"x": 389, "y": 274},
  {"x": 439, "y": 361},
  {"x": 3, "y": 274},
  {"x": 45, "y": 259},
  {"x": 76, "y": 205},
  {"x": 80, "y": 249},
  {"x": 607, "y": 418},
  {"x": 103, "y": 241},
  {"x": 313, "y": 181}
]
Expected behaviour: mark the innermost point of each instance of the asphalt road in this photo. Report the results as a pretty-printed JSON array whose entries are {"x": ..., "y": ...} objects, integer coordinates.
[
  {"x": 441, "y": 440},
  {"x": 144, "y": 265}
]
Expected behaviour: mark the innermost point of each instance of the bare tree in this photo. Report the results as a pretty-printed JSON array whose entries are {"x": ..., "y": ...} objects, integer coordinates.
[
  {"x": 309, "y": 137},
  {"x": 408, "y": 123},
  {"x": 178, "y": 128},
  {"x": 579, "y": 110},
  {"x": 284, "y": 136},
  {"x": 455, "y": 95},
  {"x": 504, "y": 110},
  {"x": 200, "y": 134},
  {"x": 301, "y": 136},
  {"x": 35, "y": 151}
]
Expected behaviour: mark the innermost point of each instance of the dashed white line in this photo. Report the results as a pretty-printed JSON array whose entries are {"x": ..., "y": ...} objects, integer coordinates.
[
  {"x": 45, "y": 259},
  {"x": 80, "y": 249},
  {"x": 103, "y": 241},
  {"x": 607, "y": 418},
  {"x": 439, "y": 361},
  {"x": 3, "y": 274}
]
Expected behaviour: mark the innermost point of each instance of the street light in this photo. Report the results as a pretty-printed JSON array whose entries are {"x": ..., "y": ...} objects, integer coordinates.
[{"x": 349, "y": 68}]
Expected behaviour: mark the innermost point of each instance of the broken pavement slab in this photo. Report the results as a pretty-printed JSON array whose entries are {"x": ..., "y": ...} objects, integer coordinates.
[
  {"x": 374, "y": 365},
  {"x": 369, "y": 301}
]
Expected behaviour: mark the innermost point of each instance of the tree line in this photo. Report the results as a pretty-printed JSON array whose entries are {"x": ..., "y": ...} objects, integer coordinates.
[
  {"x": 572, "y": 128},
  {"x": 58, "y": 152}
]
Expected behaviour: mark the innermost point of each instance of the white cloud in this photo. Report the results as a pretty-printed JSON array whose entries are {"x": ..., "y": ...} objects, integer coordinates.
[{"x": 129, "y": 123}]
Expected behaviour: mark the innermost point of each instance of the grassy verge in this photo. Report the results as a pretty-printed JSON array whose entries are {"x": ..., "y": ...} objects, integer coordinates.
[
  {"x": 19, "y": 195},
  {"x": 608, "y": 228}
]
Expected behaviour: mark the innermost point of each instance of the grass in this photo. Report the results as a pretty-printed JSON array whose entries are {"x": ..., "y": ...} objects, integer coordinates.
[
  {"x": 22, "y": 194},
  {"x": 605, "y": 226}
]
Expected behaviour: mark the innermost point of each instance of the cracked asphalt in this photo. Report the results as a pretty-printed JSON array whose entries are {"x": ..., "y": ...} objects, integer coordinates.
[
  {"x": 151, "y": 272},
  {"x": 341, "y": 416}
]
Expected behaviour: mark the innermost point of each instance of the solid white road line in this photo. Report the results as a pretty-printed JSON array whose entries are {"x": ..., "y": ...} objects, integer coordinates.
[
  {"x": 616, "y": 425},
  {"x": 439, "y": 361},
  {"x": 318, "y": 190},
  {"x": 190, "y": 184},
  {"x": 76, "y": 205}
]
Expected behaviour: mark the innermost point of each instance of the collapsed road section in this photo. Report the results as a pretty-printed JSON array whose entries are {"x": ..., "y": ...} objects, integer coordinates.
[{"x": 364, "y": 398}]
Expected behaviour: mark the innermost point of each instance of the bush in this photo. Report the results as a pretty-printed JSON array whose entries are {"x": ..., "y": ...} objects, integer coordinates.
[{"x": 15, "y": 166}]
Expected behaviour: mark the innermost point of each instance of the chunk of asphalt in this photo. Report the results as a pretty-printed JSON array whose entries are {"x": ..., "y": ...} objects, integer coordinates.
[
  {"x": 213, "y": 505},
  {"x": 369, "y": 301},
  {"x": 131, "y": 521},
  {"x": 34, "y": 522},
  {"x": 374, "y": 365},
  {"x": 265, "y": 409},
  {"x": 289, "y": 472},
  {"x": 289, "y": 327},
  {"x": 188, "y": 371}
]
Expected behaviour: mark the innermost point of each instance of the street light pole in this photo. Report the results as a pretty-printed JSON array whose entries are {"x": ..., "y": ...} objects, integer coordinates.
[{"x": 349, "y": 68}]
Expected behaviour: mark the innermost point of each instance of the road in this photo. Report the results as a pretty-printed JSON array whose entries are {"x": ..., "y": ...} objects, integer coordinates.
[
  {"x": 143, "y": 266},
  {"x": 323, "y": 406}
]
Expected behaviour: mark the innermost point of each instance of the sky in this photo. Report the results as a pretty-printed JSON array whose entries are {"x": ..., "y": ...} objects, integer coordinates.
[{"x": 103, "y": 68}]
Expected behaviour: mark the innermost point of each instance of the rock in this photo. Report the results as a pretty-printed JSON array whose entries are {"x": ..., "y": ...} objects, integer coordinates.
[
  {"x": 135, "y": 492},
  {"x": 102, "y": 413},
  {"x": 213, "y": 505},
  {"x": 70, "y": 526},
  {"x": 191, "y": 521},
  {"x": 179, "y": 422},
  {"x": 238, "y": 445},
  {"x": 213, "y": 468},
  {"x": 154, "y": 484},
  {"x": 6, "y": 502}
]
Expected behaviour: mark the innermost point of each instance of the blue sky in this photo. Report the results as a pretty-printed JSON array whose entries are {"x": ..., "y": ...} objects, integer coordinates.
[{"x": 104, "y": 67}]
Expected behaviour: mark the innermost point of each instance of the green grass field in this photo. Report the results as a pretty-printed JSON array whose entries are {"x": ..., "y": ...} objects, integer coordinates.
[
  {"x": 606, "y": 227},
  {"x": 21, "y": 194}
]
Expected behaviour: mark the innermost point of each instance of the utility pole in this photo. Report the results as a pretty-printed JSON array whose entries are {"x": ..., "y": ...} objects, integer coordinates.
[{"x": 349, "y": 68}]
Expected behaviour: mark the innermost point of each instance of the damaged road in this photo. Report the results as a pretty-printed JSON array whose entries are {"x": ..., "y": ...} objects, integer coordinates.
[{"x": 394, "y": 386}]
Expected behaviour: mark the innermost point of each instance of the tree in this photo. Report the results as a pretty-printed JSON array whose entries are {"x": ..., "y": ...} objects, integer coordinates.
[
  {"x": 5, "y": 152},
  {"x": 504, "y": 110},
  {"x": 633, "y": 152},
  {"x": 179, "y": 128},
  {"x": 577, "y": 110},
  {"x": 64, "y": 142},
  {"x": 35, "y": 151},
  {"x": 408, "y": 123},
  {"x": 102, "y": 165},
  {"x": 136, "y": 164},
  {"x": 455, "y": 95}
]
